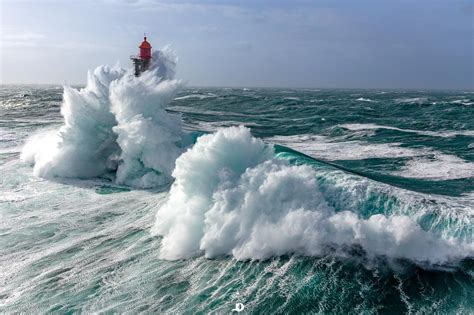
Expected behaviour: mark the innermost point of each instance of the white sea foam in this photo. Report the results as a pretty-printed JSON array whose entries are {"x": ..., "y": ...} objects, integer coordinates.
[
  {"x": 326, "y": 148},
  {"x": 443, "y": 134},
  {"x": 465, "y": 101},
  {"x": 193, "y": 110},
  {"x": 425, "y": 163},
  {"x": 437, "y": 167},
  {"x": 117, "y": 122},
  {"x": 196, "y": 96},
  {"x": 361, "y": 99},
  {"x": 416, "y": 100},
  {"x": 215, "y": 125},
  {"x": 231, "y": 197}
]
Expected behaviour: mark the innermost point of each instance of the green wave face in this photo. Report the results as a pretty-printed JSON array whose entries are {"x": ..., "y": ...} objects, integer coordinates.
[{"x": 367, "y": 195}]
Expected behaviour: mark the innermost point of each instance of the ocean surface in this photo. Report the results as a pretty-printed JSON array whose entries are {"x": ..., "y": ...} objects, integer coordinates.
[{"x": 327, "y": 201}]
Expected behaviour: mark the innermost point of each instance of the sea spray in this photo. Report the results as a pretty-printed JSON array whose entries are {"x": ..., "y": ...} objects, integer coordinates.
[
  {"x": 214, "y": 161},
  {"x": 84, "y": 145},
  {"x": 116, "y": 123},
  {"x": 231, "y": 197},
  {"x": 150, "y": 139}
]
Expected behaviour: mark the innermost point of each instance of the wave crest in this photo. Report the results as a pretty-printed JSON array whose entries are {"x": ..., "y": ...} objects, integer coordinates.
[{"x": 232, "y": 197}]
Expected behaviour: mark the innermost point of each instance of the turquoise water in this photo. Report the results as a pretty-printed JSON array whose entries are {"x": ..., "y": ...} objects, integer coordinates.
[{"x": 84, "y": 245}]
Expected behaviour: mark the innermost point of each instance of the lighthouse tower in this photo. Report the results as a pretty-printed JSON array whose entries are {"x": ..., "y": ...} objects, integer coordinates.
[{"x": 142, "y": 61}]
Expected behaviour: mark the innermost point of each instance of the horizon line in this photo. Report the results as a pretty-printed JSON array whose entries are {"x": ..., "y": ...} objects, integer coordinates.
[{"x": 267, "y": 87}]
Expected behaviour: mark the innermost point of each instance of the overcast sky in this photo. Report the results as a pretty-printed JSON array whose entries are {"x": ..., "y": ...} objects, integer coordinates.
[{"x": 359, "y": 44}]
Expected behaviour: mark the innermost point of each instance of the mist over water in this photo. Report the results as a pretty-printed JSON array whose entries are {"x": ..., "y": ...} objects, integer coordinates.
[{"x": 142, "y": 195}]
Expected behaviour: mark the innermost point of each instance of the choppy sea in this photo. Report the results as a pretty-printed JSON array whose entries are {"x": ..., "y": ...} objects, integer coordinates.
[{"x": 327, "y": 201}]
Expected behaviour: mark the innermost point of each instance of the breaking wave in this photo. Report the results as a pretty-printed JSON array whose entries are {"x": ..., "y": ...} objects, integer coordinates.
[{"x": 231, "y": 196}]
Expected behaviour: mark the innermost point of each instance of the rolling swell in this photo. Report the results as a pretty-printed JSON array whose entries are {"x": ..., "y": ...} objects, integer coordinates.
[{"x": 368, "y": 195}]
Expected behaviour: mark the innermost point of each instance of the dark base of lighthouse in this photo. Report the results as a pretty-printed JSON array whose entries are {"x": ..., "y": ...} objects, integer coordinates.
[{"x": 140, "y": 65}]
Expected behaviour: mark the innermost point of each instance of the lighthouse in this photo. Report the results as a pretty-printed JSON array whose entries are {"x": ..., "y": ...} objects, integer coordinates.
[{"x": 142, "y": 61}]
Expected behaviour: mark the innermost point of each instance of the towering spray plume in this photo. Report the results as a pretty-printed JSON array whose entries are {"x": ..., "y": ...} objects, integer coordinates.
[{"x": 116, "y": 123}]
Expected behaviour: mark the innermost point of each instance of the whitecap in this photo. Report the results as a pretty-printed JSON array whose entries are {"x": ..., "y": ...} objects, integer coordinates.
[
  {"x": 416, "y": 100},
  {"x": 361, "y": 99},
  {"x": 443, "y": 134},
  {"x": 195, "y": 96}
]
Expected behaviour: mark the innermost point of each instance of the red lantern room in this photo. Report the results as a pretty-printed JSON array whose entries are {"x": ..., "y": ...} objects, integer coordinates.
[
  {"x": 143, "y": 60},
  {"x": 145, "y": 49}
]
